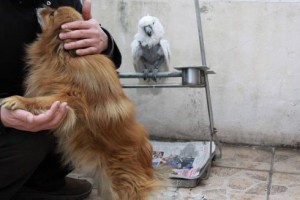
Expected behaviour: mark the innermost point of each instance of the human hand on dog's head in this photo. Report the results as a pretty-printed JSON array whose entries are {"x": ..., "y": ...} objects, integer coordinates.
[
  {"x": 26, "y": 121},
  {"x": 87, "y": 37}
]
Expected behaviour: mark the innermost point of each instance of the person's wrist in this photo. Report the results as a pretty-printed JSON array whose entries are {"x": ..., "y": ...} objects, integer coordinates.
[
  {"x": 110, "y": 44},
  {"x": 2, "y": 127},
  {"x": 1, "y": 122},
  {"x": 105, "y": 41}
]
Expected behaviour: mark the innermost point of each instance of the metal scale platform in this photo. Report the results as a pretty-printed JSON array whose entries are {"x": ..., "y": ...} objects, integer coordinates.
[{"x": 191, "y": 77}]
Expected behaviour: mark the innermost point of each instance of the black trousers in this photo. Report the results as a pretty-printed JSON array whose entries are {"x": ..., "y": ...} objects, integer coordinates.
[{"x": 29, "y": 159}]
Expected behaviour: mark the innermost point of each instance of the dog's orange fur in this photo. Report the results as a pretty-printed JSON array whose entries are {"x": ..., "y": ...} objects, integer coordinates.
[{"x": 100, "y": 135}]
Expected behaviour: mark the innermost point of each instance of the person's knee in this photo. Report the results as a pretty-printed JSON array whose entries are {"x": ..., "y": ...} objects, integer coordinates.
[
  {"x": 20, "y": 155},
  {"x": 26, "y": 146}
]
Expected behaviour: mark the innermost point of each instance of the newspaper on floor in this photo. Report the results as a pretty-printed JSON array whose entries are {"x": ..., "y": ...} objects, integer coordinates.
[{"x": 186, "y": 158}]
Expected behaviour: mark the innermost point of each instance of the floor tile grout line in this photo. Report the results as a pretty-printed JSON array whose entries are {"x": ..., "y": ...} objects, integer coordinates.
[
  {"x": 271, "y": 174},
  {"x": 242, "y": 168},
  {"x": 284, "y": 172}
]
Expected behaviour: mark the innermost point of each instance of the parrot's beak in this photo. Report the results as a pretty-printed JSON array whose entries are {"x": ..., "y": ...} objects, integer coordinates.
[{"x": 148, "y": 30}]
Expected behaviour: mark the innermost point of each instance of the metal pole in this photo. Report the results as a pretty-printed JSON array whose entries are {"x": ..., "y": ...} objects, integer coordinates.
[
  {"x": 197, "y": 7},
  {"x": 150, "y": 75},
  {"x": 198, "y": 15},
  {"x": 203, "y": 60}
]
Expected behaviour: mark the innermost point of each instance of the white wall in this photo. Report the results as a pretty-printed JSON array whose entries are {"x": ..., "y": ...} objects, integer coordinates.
[{"x": 254, "y": 48}]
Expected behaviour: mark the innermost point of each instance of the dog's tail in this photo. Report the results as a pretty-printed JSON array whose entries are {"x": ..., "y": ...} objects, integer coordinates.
[
  {"x": 162, "y": 174},
  {"x": 161, "y": 183}
]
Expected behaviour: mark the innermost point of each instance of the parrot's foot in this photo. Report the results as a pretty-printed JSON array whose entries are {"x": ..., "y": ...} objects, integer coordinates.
[
  {"x": 154, "y": 73},
  {"x": 146, "y": 72}
]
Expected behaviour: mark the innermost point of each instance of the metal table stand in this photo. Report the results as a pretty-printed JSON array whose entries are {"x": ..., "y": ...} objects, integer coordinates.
[{"x": 193, "y": 77}]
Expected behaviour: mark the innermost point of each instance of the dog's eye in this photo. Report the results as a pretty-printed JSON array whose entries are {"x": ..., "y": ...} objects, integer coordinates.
[{"x": 51, "y": 14}]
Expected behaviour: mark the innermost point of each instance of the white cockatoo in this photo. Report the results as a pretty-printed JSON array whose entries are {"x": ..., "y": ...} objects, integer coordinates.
[{"x": 150, "y": 51}]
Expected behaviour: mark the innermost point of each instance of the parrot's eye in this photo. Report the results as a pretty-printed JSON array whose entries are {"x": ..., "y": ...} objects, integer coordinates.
[{"x": 153, "y": 23}]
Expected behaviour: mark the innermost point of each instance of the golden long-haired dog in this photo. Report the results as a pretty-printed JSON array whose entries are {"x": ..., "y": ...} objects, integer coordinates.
[{"x": 100, "y": 135}]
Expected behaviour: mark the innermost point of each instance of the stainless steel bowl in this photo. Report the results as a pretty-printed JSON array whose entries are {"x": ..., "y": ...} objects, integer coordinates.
[{"x": 193, "y": 76}]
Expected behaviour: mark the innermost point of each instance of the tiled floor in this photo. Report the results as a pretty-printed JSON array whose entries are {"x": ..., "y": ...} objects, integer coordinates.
[{"x": 245, "y": 173}]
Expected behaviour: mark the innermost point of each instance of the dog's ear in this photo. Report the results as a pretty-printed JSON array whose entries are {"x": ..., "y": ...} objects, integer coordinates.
[
  {"x": 72, "y": 53},
  {"x": 42, "y": 13}
]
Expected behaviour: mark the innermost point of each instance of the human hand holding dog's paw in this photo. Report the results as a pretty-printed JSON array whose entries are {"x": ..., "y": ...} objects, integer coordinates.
[
  {"x": 87, "y": 37},
  {"x": 26, "y": 121}
]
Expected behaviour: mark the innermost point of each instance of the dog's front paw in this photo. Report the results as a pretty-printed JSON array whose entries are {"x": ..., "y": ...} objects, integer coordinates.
[{"x": 13, "y": 103}]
